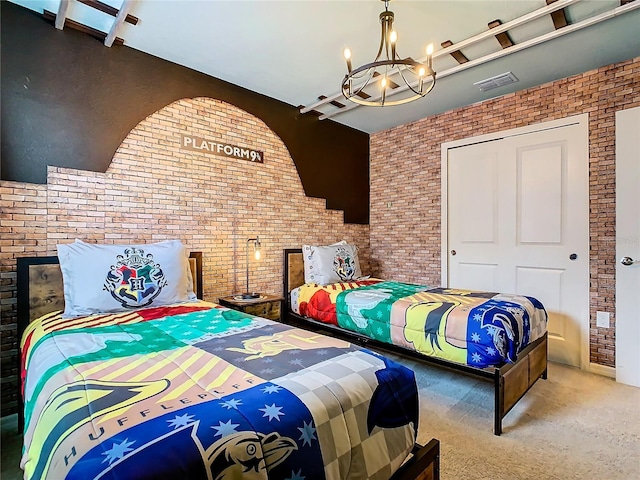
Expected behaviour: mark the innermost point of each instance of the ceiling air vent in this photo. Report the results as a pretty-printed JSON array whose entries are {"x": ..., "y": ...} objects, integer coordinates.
[{"x": 497, "y": 81}]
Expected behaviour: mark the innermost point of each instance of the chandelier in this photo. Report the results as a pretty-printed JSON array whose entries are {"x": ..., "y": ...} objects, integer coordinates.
[{"x": 418, "y": 78}]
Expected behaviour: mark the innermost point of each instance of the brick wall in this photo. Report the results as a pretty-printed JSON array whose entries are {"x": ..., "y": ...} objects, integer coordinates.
[
  {"x": 153, "y": 191},
  {"x": 405, "y": 170}
]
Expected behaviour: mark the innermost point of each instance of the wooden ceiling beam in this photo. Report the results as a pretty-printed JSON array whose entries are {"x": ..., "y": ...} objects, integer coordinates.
[
  {"x": 332, "y": 102},
  {"x": 63, "y": 8},
  {"x": 457, "y": 54},
  {"x": 51, "y": 17},
  {"x": 117, "y": 23},
  {"x": 503, "y": 37},
  {"x": 559, "y": 17},
  {"x": 109, "y": 10},
  {"x": 317, "y": 113}
]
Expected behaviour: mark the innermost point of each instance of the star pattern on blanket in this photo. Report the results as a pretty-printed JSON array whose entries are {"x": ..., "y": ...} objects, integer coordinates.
[
  {"x": 296, "y": 475},
  {"x": 118, "y": 451},
  {"x": 232, "y": 403},
  {"x": 224, "y": 429},
  {"x": 308, "y": 433},
  {"x": 272, "y": 411},
  {"x": 180, "y": 421},
  {"x": 271, "y": 389}
]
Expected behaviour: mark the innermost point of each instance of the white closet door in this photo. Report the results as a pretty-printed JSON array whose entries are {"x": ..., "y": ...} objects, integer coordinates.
[
  {"x": 518, "y": 223},
  {"x": 628, "y": 246}
]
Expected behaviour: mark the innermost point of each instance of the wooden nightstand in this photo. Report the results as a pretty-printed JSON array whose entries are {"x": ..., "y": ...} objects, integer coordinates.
[{"x": 267, "y": 306}]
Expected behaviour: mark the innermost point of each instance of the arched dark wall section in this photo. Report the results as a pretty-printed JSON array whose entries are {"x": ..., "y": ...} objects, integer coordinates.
[{"x": 69, "y": 101}]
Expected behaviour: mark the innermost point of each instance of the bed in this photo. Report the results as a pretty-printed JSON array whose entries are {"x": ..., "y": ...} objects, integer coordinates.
[
  {"x": 511, "y": 366},
  {"x": 195, "y": 390}
]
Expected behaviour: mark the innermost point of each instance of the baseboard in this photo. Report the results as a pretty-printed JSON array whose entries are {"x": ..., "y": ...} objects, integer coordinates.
[{"x": 602, "y": 370}]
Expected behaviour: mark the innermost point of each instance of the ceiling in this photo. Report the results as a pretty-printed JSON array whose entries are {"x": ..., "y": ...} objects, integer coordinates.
[{"x": 292, "y": 50}]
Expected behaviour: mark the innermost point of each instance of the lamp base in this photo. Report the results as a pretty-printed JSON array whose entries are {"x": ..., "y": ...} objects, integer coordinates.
[{"x": 248, "y": 296}]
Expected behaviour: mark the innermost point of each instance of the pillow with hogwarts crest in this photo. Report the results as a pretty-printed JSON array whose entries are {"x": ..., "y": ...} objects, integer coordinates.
[
  {"x": 114, "y": 278},
  {"x": 331, "y": 263}
]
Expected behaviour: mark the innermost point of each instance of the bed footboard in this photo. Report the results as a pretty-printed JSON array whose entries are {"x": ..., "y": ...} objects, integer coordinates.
[
  {"x": 513, "y": 381},
  {"x": 423, "y": 465}
]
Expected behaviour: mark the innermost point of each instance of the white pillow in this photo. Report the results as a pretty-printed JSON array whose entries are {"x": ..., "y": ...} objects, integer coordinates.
[
  {"x": 331, "y": 264},
  {"x": 115, "y": 278}
]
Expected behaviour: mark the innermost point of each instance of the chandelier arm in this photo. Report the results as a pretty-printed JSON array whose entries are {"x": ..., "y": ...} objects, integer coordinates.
[
  {"x": 375, "y": 65},
  {"x": 385, "y": 31},
  {"x": 364, "y": 85},
  {"x": 357, "y": 77},
  {"x": 387, "y": 18},
  {"x": 382, "y": 44},
  {"x": 408, "y": 83}
]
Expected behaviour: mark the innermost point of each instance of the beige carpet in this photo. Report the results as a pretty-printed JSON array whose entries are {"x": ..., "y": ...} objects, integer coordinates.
[{"x": 573, "y": 425}]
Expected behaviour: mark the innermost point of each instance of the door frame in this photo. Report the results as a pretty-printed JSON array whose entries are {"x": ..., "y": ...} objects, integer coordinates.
[{"x": 582, "y": 121}]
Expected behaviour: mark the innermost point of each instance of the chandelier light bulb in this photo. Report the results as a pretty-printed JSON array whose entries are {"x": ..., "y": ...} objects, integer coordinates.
[
  {"x": 429, "y": 55},
  {"x": 347, "y": 57},
  {"x": 422, "y": 71},
  {"x": 383, "y": 82},
  {"x": 393, "y": 37}
]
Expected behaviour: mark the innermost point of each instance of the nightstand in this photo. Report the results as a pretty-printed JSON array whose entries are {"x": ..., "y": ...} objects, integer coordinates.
[{"x": 267, "y": 306}]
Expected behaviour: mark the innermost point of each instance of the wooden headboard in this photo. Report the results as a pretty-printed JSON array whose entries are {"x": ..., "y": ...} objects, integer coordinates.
[
  {"x": 293, "y": 271},
  {"x": 40, "y": 289}
]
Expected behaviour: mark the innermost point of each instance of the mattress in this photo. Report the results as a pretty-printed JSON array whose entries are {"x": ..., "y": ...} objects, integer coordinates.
[
  {"x": 479, "y": 329},
  {"x": 200, "y": 391}
]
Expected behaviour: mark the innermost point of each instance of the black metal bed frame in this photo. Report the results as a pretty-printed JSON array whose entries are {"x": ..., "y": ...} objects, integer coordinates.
[{"x": 503, "y": 403}]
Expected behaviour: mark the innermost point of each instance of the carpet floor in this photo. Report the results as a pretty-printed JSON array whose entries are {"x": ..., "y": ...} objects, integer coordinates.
[{"x": 575, "y": 425}]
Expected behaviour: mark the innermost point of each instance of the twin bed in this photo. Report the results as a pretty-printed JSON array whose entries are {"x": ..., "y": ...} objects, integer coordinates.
[
  {"x": 194, "y": 390},
  {"x": 498, "y": 337}
]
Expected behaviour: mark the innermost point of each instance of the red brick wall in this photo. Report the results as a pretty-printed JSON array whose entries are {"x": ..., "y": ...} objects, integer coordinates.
[
  {"x": 153, "y": 191},
  {"x": 405, "y": 170}
]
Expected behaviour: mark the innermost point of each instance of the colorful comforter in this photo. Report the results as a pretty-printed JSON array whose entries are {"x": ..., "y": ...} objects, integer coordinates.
[
  {"x": 480, "y": 329},
  {"x": 198, "y": 391}
]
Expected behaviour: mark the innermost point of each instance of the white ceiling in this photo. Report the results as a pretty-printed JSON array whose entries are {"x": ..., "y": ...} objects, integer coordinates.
[{"x": 292, "y": 50}]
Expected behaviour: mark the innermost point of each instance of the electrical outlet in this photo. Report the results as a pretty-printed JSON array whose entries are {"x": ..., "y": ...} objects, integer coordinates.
[{"x": 602, "y": 319}]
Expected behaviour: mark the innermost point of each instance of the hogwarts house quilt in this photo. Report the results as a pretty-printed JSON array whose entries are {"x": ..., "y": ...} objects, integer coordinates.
[
  {"x": 479, "y": 329},
  {"x": 197, "y": 391}
]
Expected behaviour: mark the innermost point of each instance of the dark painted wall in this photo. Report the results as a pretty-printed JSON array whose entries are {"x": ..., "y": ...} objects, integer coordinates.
[{"x": 69, "y": 101}]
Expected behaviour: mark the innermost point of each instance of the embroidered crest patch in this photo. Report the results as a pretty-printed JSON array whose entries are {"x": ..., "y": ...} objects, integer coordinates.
[
  {"x": 135, "y": 280},
  {"x": 344, "y": 264}
]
